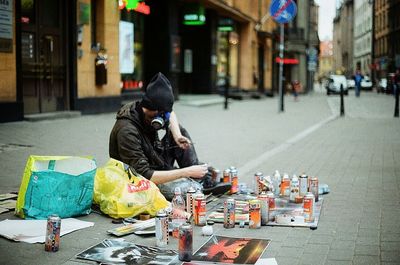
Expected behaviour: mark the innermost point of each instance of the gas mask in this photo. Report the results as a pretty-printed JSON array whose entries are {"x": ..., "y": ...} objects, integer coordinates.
[{"x": 161, "y": 120}]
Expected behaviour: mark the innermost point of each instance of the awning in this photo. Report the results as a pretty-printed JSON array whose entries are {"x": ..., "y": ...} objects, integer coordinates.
[{"x": 224, "y": 9}]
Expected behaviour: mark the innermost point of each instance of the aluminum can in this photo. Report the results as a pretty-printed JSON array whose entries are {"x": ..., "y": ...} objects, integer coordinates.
[
  {"x": 285, "y": 185},
  {"x": 226, "y": 176},
  {"x": 308, "y": 207},
  {"x": 271, "y": 205},
  {"x": 258, "y": 187},
  {"x": 254, "y": 214},
  {"x": 303, "y": 184},
  {"x": 229, "y": 213},
  {"x": 215, "y": 175},
  {"x": 314, "y": 187},
  {"x": 185, "y": 244},
  {"x": 162, "y": 232},
  {"x": 52, "y": 242},
  {"x": 264, "y": 203},
  {"x": 294, "y": 189},
  {"x": 189, "y": 200},
  {"x": 234, "y": 181},
  {"x": 200, "y": 210}
]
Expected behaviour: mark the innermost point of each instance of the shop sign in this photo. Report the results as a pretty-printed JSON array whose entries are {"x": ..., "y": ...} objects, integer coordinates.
[
  {"x": 287, "y": 60},
  {"x": 194, "y": 15},
  {"x": 225, "y": 24}
]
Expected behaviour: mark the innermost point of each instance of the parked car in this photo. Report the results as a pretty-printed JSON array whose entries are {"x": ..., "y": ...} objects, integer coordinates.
[
  {"x": 334, "y": 82},
  {"x": 383, "y": 86},
  {"x": 351, "y": 83},
  {"x": 366, "y": 83}
]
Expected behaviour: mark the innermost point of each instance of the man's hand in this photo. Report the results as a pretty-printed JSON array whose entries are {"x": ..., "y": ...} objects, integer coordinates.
[
  {"x": 183, "y": 142},
  {"x": 197, "y": 171}
]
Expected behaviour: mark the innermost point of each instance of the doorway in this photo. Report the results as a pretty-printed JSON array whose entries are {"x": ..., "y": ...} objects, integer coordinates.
[{"x": 43, "y": 50}]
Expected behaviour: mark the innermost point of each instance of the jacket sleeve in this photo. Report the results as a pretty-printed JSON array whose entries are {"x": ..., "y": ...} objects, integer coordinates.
[{"x": 131, "y": 152}]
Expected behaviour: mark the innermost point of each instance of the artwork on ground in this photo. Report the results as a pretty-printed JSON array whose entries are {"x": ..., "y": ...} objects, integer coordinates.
[
  {"x": 124, "y": 252},
  {"x": 231, "y": 250}
]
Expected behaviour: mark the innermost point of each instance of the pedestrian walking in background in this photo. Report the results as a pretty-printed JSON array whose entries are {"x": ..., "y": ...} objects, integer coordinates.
[
  {"x": 134, "y": 140},
  {"x": 296, "y": 88},
  {"x": 396, "y": 81},
  {"x": 357, "y": 80}
]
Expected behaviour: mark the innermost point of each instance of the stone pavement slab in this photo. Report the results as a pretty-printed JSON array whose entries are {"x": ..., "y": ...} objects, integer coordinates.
[{"x": 357, "y": 156}]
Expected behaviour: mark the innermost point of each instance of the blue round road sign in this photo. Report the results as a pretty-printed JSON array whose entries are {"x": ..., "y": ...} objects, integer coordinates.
[{"x": 283, "y": 11}]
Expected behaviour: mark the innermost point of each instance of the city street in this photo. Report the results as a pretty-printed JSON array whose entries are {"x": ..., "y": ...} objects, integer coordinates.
[{"x": 357, "y": 155}]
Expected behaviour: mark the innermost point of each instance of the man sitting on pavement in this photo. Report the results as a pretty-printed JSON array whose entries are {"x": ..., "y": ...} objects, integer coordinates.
[{"x": 134, "y": 140}]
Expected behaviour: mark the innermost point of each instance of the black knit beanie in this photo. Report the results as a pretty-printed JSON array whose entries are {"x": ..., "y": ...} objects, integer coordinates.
[{"x": 158, "y": 95}]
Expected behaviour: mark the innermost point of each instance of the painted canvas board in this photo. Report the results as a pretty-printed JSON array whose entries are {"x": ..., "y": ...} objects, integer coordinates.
[
  {"x": 114, "y": 251},
  {"x": 230, "y": 250}
]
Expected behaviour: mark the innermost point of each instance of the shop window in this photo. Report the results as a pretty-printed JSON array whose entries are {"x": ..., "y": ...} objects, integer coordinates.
[{"x": 131, "y": 50}]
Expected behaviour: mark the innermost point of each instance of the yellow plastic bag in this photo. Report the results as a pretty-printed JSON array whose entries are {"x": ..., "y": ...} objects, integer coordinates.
[{"x": 121, "y": 194}]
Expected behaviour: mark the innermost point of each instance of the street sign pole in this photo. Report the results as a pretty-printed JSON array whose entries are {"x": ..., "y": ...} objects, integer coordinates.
[
  {"x": 282, "y": 11},
  {"x": 281, "y": 107}
]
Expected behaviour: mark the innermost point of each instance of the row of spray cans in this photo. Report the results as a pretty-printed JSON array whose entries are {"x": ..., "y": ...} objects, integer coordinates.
[
  {"x": 181, "y": 213},
  {"x": 302, "y": 189}
]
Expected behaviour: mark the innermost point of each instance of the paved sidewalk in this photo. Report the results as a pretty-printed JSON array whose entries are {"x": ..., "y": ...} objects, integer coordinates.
[{"x": 357, "y": 156}]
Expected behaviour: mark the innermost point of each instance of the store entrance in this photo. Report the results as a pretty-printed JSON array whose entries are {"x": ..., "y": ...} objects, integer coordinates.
[{"x": 43, "y": 55}]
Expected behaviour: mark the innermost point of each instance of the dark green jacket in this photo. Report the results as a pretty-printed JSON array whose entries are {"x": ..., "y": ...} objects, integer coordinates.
[{"x": 132, "y": 142}]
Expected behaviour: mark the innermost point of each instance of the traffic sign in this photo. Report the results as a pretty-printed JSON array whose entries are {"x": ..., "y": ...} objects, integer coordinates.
[{"x": 283, "y": 11}]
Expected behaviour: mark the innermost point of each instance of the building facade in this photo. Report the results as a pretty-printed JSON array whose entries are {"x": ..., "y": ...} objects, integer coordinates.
[
  {"x": 363, "y": 36},
  {"x": 386, "y": 36},
  {"x": 301, "y": 41},
  {"x": 325, "y": 59},
  {"x": 343, "y": 38},
  {"x": 89, "y": 55}
]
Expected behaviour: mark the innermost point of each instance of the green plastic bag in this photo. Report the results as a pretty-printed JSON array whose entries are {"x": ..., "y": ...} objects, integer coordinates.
[{"x": 61, "y": 185}]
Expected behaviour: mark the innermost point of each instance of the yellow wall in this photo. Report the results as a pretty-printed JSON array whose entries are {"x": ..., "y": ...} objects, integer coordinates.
[
  {"x": 107, "y": 34},
  {"x": 8, "y": 80}
]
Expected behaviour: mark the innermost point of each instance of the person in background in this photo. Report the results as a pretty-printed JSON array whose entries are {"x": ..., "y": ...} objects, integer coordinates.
[
  {"x": 357, "y": 80},
  {"x": 135, "y": 141}
]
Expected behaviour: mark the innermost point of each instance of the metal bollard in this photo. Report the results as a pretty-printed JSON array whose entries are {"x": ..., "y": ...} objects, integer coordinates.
[
  {"x": 396, "y": 105},
  {"x": 341, "y": 101},
  {"x": 226, "y": 92}
]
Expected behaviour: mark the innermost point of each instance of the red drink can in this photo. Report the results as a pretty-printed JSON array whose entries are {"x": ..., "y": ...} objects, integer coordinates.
[{"x": 52, "y": 243}]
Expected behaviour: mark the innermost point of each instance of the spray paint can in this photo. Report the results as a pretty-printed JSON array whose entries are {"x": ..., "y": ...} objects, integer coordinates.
[
  {"x": 314, "y": 187},
  {"x": 52, "y": 242},
  {"x": 226, "y": 176},
  {"x": 254, "y": 214},
  {"x": 162, "y": 233},
  {"x": 276, "y": 181},
  {"x": 215, "y": 175},
  {"x": 200, "y": 210},
  {"x": 185, "y": 244},
  {"x": 285, "y": 185},
  {"x": 308, "y": 207},
  {"x": 234, "y": 181},
  {"x": 264, "y": 202},
  {"x": 229, "y": 213},
  {"x": 303, "y": 185},
  {"x": 189, "y": 200},
  {"x": 271, "y": 205},
  {"x": 258, "y": 187},
  {"x": 294, "y": 189}
]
